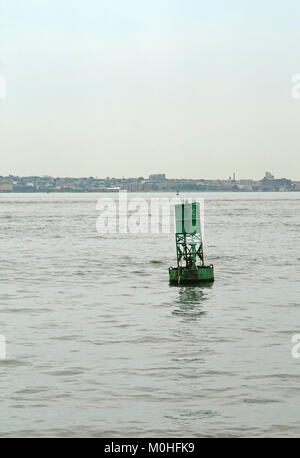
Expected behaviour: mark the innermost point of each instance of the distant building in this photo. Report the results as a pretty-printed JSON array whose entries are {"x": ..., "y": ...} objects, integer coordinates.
[
  {"x": 269, "y": 176},
  {"x": 157, "y": 177},
  {"x": 297, "y": 186},
  {"x": 279, "y": 184},
  {"x": 6, "y": 186}
]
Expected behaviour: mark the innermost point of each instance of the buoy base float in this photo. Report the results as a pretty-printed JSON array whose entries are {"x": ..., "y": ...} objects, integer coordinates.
[{"x": 185, "y": 276}]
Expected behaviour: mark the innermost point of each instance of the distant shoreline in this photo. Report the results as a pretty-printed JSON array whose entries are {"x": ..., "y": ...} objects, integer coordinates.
[
  {"x": 154, "y": 183},
  {"x": 239, "y": 191}
]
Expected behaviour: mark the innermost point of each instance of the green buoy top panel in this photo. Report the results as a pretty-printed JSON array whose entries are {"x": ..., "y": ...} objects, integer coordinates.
[{"x": 187, "y": 217}]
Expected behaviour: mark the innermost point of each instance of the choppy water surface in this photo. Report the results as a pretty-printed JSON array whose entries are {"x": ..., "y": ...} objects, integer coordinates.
[{"x": 98, "y": 344}]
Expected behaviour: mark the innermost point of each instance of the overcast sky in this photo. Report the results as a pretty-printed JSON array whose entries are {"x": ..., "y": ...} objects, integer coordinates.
[{"x": 189, "y": 88}]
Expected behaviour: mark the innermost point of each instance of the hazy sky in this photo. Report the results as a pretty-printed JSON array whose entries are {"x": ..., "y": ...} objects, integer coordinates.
[{"x": 190, "y": 88}]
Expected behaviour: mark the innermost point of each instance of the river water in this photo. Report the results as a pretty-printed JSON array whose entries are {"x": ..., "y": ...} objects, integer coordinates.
[{"x": 98, "y": 344}]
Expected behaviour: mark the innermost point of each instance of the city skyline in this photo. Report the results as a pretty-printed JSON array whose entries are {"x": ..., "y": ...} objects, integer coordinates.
[
  {"x": 155, "y": 182},
  {"x": 234, "y": 176}
]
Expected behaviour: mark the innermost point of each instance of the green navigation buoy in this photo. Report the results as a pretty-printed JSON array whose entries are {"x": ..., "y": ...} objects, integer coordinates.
[{"x": 189, "y": 246}]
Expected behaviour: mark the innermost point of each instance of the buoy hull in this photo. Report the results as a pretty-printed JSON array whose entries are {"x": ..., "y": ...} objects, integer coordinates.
[{"x": 184, "y": 276}]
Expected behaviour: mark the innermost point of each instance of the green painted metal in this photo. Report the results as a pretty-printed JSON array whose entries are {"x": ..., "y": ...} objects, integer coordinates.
[
  {"x": 182, "y": 275},
  {"x": 189, "y": 248}
]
